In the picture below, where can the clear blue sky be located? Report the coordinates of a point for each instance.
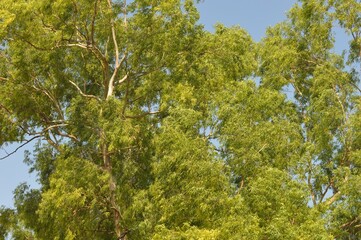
(253, 15)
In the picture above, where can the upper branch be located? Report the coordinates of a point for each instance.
(112, 23)
(118, 61)
(81, 92)
(93, 21)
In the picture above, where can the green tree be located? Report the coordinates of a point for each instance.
(298, 55)
(150, 127)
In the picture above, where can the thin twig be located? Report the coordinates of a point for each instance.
(22, 145)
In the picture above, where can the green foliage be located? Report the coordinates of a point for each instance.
(151, 127)
(75, 206)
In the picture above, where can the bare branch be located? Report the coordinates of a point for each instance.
(76, 45)
(118, 62)
(296, 88)
(349, 224)
(68, 136)
(81, 92)
(51, 142)
(33, 45)
(324, 193)
(126, 97)
(142, 115)
(261, 149)
(5, 108)
(123, 234)
(93, 21)
(123, 79)
(333, 198)
(340, 102)
(55, 126)
(310, 186)
(125, 14)
(22, 145)
(111, 81)
(91, 48)
(106, 47)
(355, 85)
(114, 37)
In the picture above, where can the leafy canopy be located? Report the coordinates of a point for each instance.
(150, 127)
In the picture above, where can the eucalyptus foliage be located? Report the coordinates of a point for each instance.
(150, 127)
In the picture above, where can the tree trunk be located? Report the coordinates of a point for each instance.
(112, 192)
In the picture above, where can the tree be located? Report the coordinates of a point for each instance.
(327, 99)
(150, 127)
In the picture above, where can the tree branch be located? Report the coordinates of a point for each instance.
(99, 55)
(349, 224)
(123, 79)
(34, 46)
(22, 145)
(333, 198)
(142, 115)
(355, 85)
(83, 94)
(51, 97)
(111, 81)
(118, 62)
(324, 193)
(311, 187)
(93, 21)
(114, 37)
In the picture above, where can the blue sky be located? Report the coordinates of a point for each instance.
(253, 15)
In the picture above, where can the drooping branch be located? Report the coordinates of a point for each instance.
(81, 92)
(355, 86)
(33, 45)
(22, 145)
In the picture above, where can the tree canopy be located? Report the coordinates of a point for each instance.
(150, 127)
